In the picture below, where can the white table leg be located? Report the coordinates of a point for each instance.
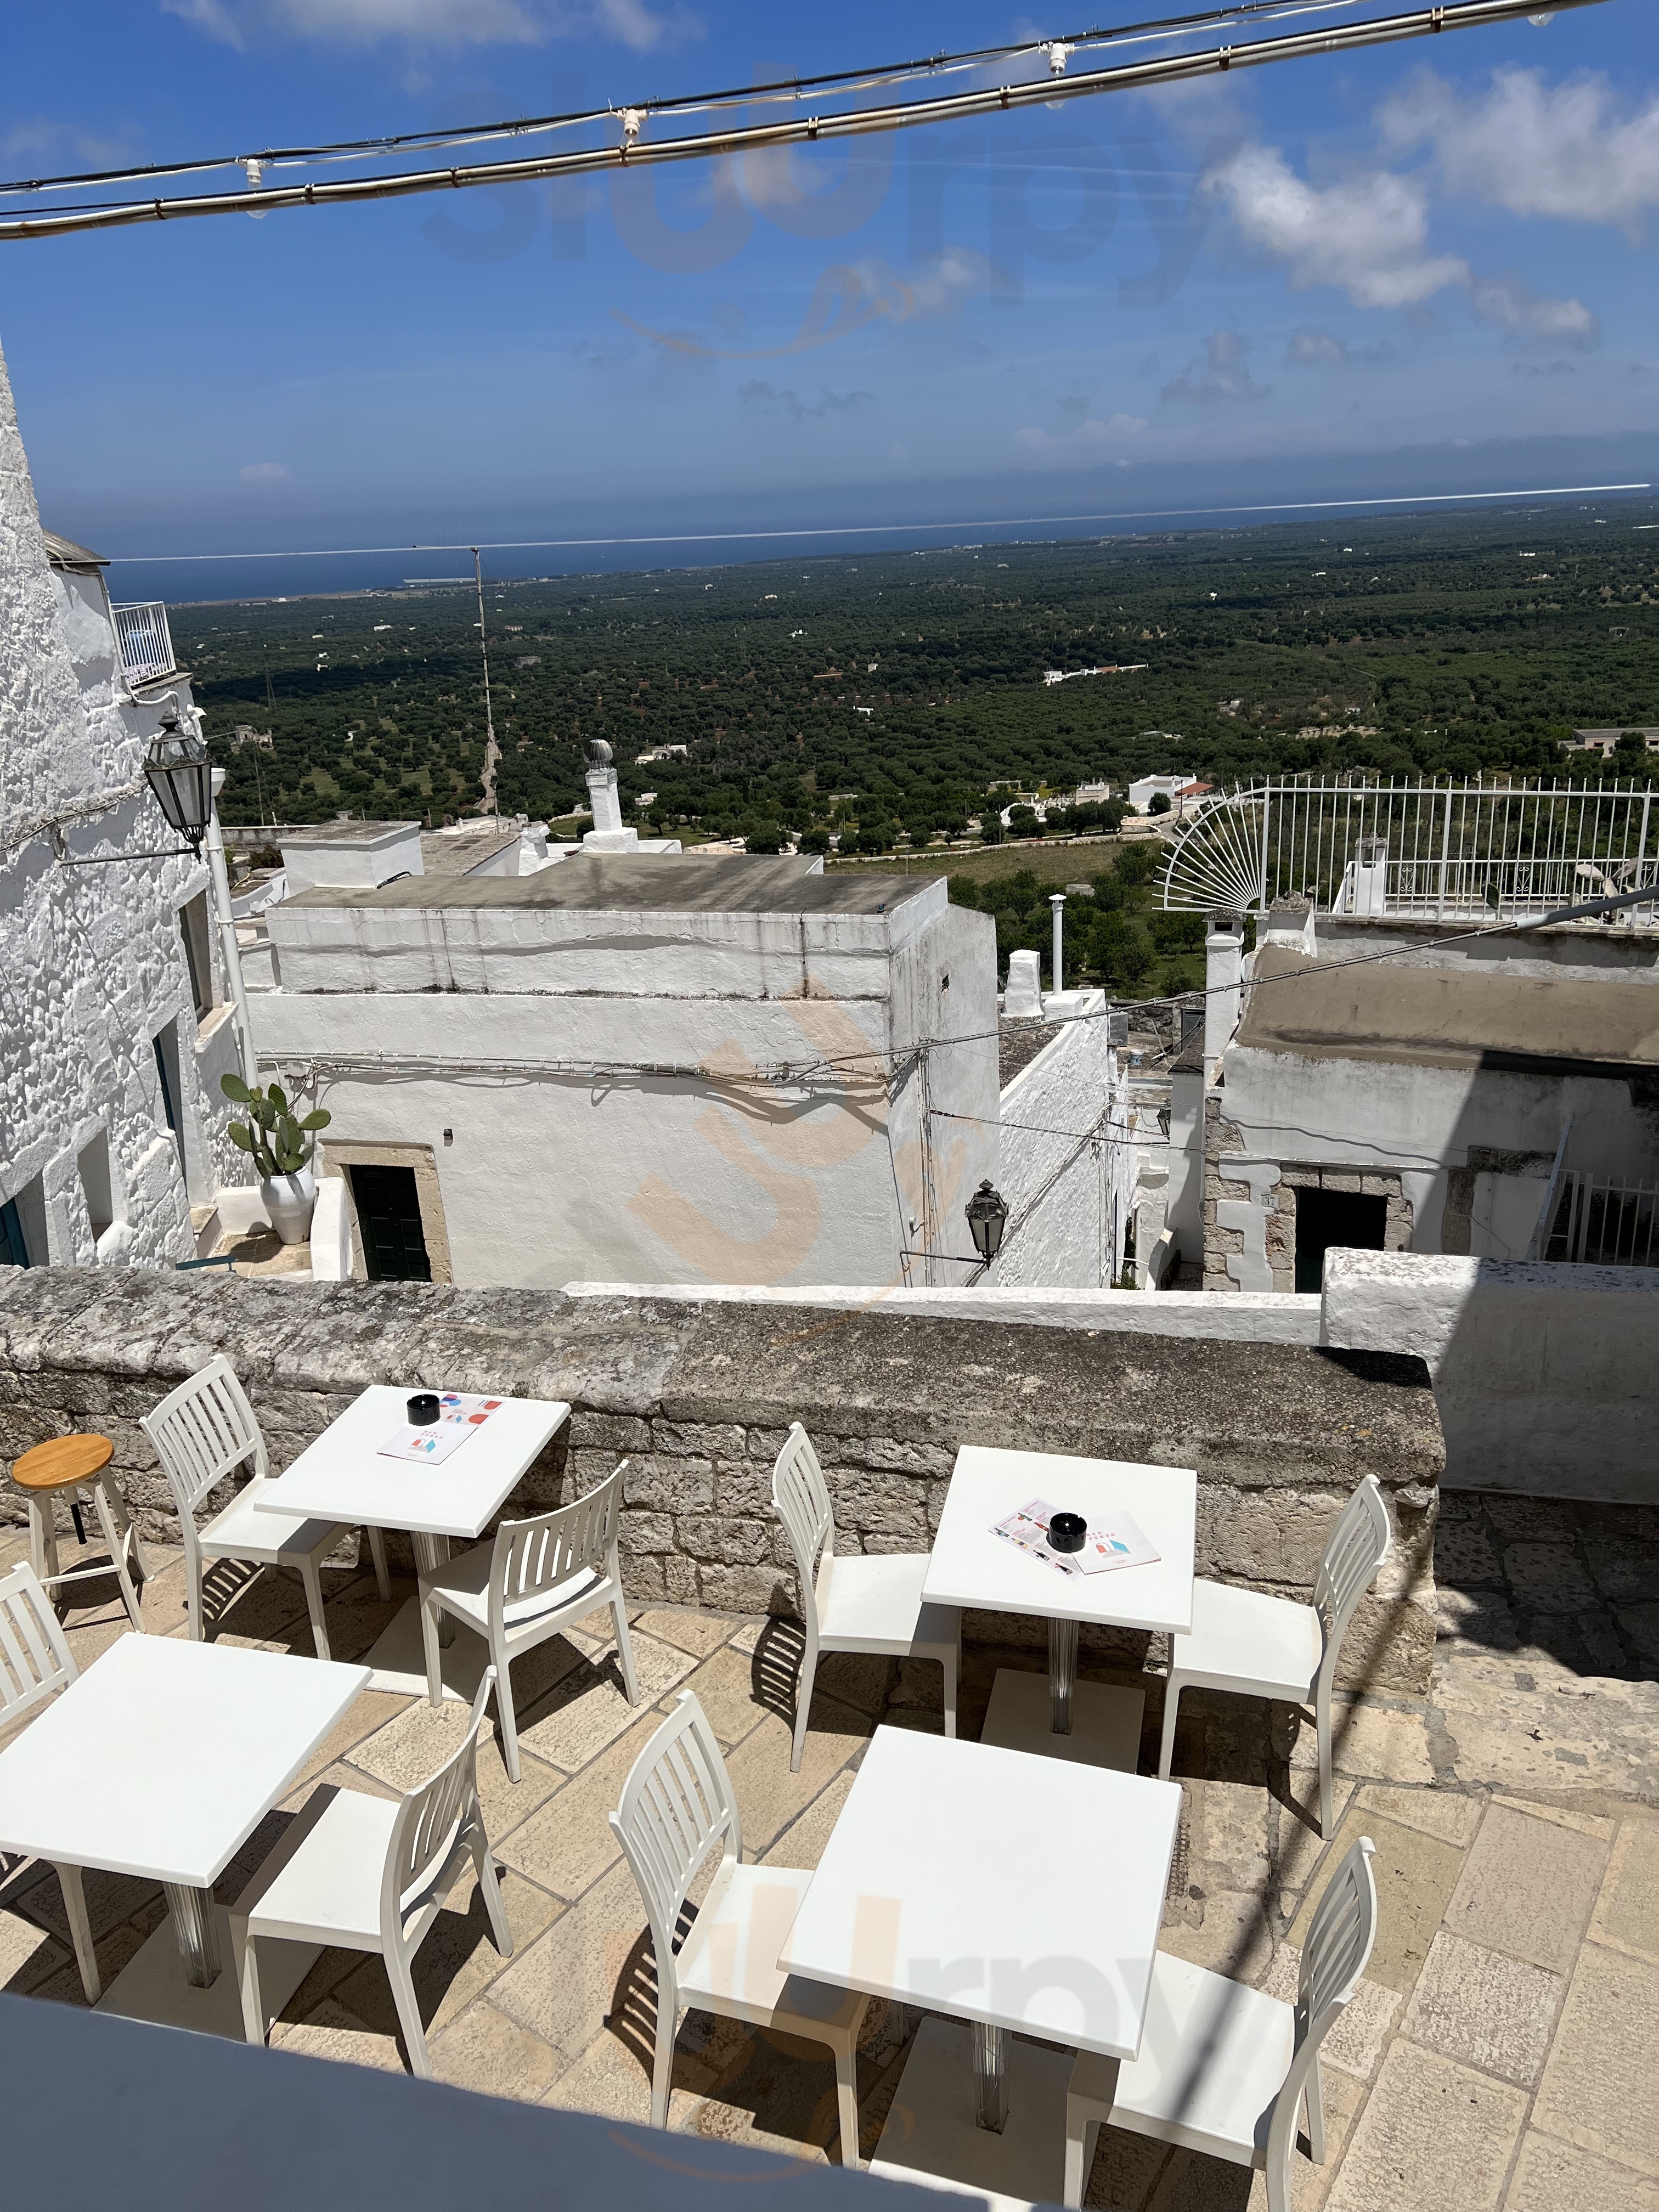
(1062, 1673)
(197, 1933)
(990, 2077)
(430, 1554)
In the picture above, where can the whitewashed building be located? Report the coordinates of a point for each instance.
(644, 1067)
(1069, 1153)
(1496, 1099)
(117, 1028)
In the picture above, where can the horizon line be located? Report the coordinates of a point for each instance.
(876, 529)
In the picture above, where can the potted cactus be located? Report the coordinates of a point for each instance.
(280, 1143)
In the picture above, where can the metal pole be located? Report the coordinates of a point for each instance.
(230, 951)
(1057, 907)
(491, 752)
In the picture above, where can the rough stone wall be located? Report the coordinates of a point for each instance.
(698, 1399)
(1250, 1207)
(95, 966)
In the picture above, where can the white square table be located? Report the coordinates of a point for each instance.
(342, 1477)
(971, 1566)
(1013, 1893)
(160, 1762)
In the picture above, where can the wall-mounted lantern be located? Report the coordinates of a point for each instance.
(988, 1217)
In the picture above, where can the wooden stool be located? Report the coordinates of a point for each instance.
(74, 1464)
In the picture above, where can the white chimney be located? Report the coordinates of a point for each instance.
(602, 787)
(1024, 994)
(1223, 966)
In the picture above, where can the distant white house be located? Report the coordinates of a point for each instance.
(1605, 742)
(1108, 668)
(117, 1029)
(1175, 788)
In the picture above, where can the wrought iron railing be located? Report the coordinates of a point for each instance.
(1604, 1224)
(146, 643)
(1433, 851)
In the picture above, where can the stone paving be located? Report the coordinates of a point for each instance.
(1503, 2051)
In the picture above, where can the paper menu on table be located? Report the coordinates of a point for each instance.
(1118, 1542)
(459, 1416)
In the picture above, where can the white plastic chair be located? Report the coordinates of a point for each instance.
(36, 1663)
(676, 1807)
(535, 1578)
(861, 1601)
(1223, 2069)
(372, 1874)
(201, 1432)
(1270, 1647)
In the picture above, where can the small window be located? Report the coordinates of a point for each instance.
(97, 1184)
(198, 954)
(1327, 1218)
(13, 1244)
(165, 1041)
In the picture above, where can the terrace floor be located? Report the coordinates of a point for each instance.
(1503, 2051)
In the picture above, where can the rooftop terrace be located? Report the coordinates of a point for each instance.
(1500, 2053)
(660, 883)
(1503, 2051)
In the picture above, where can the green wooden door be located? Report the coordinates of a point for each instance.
(389, 1218)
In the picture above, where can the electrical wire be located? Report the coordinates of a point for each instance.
(1592, 909)
(902, 1062)
(635, 151)
(782, 88)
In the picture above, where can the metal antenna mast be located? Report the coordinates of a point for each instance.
(491, 751)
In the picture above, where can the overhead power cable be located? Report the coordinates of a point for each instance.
(842, 82)
(638, 150)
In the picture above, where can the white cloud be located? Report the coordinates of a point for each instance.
(1087, 439)
(759, 397)
(1315, 348)
(1219, 373)
(1506, 300)
(1366, 234)
(1567, 150)
(633, 23)
(438, 22)
(261, 472)
(942, 285)
(39, 145)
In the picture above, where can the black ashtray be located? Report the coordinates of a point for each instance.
(422, 1410)
(1068, 1532)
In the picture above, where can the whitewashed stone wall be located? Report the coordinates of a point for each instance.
(1067, 1162)
(95, 963)
(1544, 1374)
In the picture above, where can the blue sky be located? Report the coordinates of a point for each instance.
(1420, 268)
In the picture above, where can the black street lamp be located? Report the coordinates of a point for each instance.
(988, 1217)
(180, 773)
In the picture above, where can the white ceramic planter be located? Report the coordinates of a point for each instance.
(288, 1201)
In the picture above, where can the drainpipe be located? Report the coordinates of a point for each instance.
(230, 950)
(1057, 905)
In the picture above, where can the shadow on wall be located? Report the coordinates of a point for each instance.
(1545, 1376)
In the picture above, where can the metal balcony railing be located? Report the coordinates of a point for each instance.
(1604, 1224)
(146, 643)
(1431, 851)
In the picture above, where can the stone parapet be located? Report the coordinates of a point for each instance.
(698, 1399)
